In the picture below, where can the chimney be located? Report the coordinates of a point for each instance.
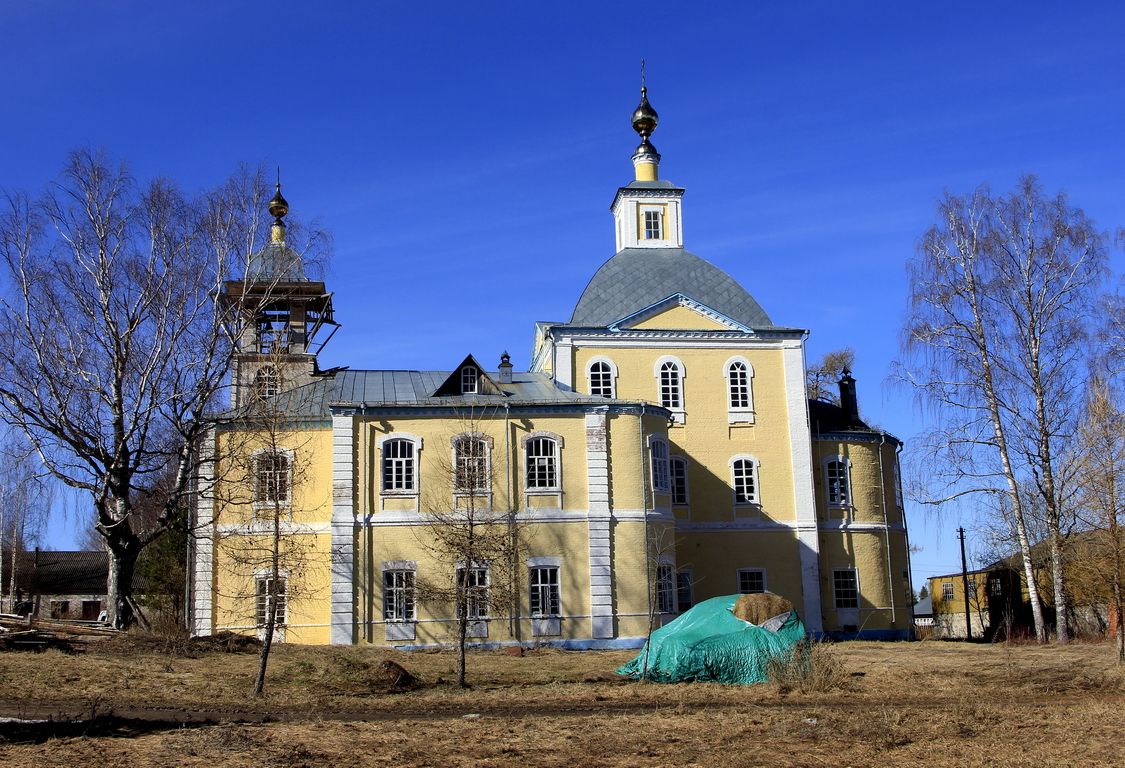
(505, 368)
(848, 400)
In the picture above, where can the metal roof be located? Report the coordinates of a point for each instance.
(636, 278)
(392, 389)
(276, 262)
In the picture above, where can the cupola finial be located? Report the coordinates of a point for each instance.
(278, 206)
(645, 159)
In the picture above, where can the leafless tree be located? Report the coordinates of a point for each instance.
(113, 340)
(1103, 495)
(478, 541)
(262, 492)
(821, 376)
(25, 502)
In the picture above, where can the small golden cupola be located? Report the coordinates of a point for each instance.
(646, 160)
(278, 206)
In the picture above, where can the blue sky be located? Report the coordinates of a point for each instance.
(464, 155)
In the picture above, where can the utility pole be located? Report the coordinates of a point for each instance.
(965, 585)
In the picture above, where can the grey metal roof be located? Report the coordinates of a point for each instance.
(636, 278)
(414, 388)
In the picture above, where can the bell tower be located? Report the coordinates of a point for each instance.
(281, 313)
(647, 212)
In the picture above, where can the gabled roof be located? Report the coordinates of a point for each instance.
(47, 572)
(636, 278)
(452, 385)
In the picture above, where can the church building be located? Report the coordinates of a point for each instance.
(659, 450)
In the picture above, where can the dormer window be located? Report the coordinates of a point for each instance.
(654, 225)
(468, 380)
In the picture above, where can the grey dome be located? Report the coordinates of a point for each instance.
(636, 278)
(276, 262)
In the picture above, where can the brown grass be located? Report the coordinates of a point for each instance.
(938, 704)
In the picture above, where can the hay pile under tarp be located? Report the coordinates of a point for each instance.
(710, 643)
(760, 607)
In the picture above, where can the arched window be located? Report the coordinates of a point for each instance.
(267, 381)
(399, 466)
(740, 390)
(678, 466)
(836, 482)
(272, 472)
(468, 380)
(744, 480)
(542, 464)
(470, 465)
(658, 449)
(602, 374)
(670, 386)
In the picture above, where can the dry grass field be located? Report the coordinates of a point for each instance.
(929, 703)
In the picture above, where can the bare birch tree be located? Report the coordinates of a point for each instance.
(1003, 291)
(25, 503)
(821, 376)
(113, 339)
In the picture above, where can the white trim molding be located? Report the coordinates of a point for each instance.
(203, 543)
(416, 481)
(343, 528)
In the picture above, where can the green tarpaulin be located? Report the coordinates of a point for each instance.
(709, 643)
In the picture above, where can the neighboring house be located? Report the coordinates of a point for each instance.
(57, 585)
(924, 613)
(998, 604)
(661, 443)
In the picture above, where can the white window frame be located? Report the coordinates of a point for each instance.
(848, 501)
(261, 602)
(677, 500)
(269, 504)
(756, 501)
(835, 589)
(678, 411)
(898, 485)
(757, 572)
(525, 445)
(545, 623)
(665, 591)
(416, 446)
(612, 376)
(659, 468)
(478, 601)
(486, 490)
(661, 220)
(267, 382)
(402, 607)
(946, 590)
(739, 413)
(470, 380)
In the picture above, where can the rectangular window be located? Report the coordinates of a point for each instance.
(398, 595)
(264, 584)
(398, 466)
(542, 464)
(684, 596)
(751, 581)
(544, 581)
(471, 465)
(946, 590)
(679, 480)
(665, 589)
(845, 588)
(996, 587)
(659, 452)
(475, 590)
(272, 478)
(653, 226)
(972, 588)
(836, 476)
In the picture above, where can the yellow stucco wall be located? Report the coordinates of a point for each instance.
(707, 438)
(680, 318)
